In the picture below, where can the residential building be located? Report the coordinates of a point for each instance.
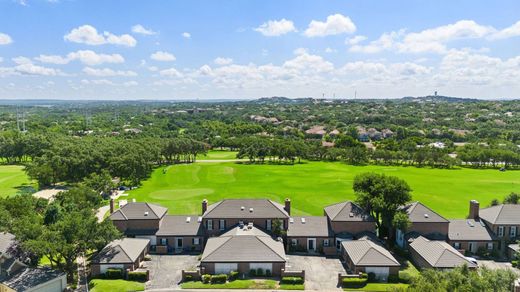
(310, 234)
(125, 254)
(181, 233)
(512, 250)
(424, 222)
(436, 254)
(471, 235)
(503, 220)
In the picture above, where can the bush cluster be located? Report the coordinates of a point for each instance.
(206, 278)
(219, 279)
(138, 276)
(233, 275)
(114, 274)
(515, 264)
(354, 282)
(292, 280)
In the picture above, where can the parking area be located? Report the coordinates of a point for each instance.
(321, 273)
(165, 270)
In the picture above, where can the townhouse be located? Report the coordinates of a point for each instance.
(503, 220)
(423, 222)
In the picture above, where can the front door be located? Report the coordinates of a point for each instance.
(178, 242)
(311, 244)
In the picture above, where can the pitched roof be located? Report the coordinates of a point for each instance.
(317, 226)
(365, 252)
(243, 245)
(417, 212)
(6, 240)
(245, 208)
(180, 225)
(514, 247)
(501, 214)
(121, 251)
(439, 254)
(30, 277)
(139, 210)
(347, 211)
(469, 229)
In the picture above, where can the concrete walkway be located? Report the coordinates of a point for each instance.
(100, 214)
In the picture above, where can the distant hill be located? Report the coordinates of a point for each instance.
(439, 98)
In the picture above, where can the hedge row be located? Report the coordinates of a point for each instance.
(354, 282)
(292, 280)
(138, 276)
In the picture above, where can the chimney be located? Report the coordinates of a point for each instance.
(288, 206)
(111, 206)
(473, 209)
(204, 206)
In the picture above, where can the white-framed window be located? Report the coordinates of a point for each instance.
(326, 242)
(500, 231)
(489, 246)
(456, 245)
(164, 241)
(209, 224)
(196, 241)
(268, 224)
(241, 222)
(222, 224)
(512, 231)
(294, 242)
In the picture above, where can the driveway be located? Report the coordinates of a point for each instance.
(321, 273)
(165, 270)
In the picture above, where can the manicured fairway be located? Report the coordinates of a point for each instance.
(13, 179)
(218, 155)
(313, 185)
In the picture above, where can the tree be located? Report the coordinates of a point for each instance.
(512, 198)
(381, 196)
(101, 183)
(401, 221)
(278, 228)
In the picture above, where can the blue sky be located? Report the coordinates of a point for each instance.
(72, 49)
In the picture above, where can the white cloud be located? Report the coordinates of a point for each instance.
(330, 50)
(87, 34)
(5, 39)
(107, 72)
(97, 82)
(24, 66)
(21, 60)
(186, 35)
(87, 57)
(162, 56)
(276, 27)
(335, 24)
(205, 70)
(130, 83)
(139, 29)
(385, 42)
(508, 32)
(355, 40)
(223, 61)
(172, 72)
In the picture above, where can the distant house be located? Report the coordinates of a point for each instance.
(181, 233)
(316, 131)
(367, 255)
(16, 276)
(243, 249)
(310, 234)
(334, 133)
(374, 134)
(362, 134)
(124, 254)
(503, 220)
(436, 254)
(424, 222)
(387, 133)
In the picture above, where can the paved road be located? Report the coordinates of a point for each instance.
(100, 214)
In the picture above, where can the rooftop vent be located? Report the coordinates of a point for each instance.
(303, 220)
(291, 220)
(199, 219)
(188, 219)
(146, 213)
(242, 208)
(250, 210)
(426, 216)
(351, 214)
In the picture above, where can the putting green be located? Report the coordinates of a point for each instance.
(313, 185)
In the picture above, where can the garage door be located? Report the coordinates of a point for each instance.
(380, 272)
(225, 268)
(263, 266)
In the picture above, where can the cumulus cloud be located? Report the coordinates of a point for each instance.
(24, 66)
(186, 35)
(162, 56)
(512, 31)
(355, 40)
(139, 29)
(107, 72)
(335, 24)
(5, 39)
(172, 72)
(87, 34)
(276, 27)
(87, 57)
(223, 61)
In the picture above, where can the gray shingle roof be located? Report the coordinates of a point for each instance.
(347, 211)
(365, 252)
(241, 208)
(417, 212)
(469, 229)
(439, 254)
(121, 251)
(179, 225)
(6, 239)
(139, 211)
(514, 247)
(238, 245)
(501, 214)
(312, 226)
(30, 277)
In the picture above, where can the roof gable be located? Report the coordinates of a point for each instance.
(347, 211)
(139, 211)
(365, 252)
(317, 226)
(180, 225)
(501, 214)
(439, 254)
(245, 208)
(418, 212)
(125, 250)
(6, 240)
(469, 229)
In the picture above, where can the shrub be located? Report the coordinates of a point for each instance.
(252, 273)
(218, 279)
(371, 277)
(188, 278)
(405, 277)
(147, 258)
(393, 279)
(292, 280)
(260, 272)
(268, 273)
(364, 275)
(138, 276)
(354, 282)
(206, 278)
(233, 275)
(114, 274)
(515, 264)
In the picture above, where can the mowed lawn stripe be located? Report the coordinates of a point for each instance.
(12, 179)
(313, 185)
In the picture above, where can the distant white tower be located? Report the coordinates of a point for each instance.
(435, 92)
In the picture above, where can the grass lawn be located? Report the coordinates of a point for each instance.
(100, 285)
(291, 287)
(237, 284)
(313, 185)
(13, 180)
(219, 155)
(378, 287)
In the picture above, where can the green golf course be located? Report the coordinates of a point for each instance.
(313, 185)
(13, 180)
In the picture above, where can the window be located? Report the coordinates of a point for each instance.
(512, 231)
(490, 246)
(456, 245)
(294, 242)
(500, 231)
(196, 241)
(222, 224)
(326, 242)
(268, 224)
(164, 241)
(209, 224)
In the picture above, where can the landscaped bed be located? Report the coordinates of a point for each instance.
(102, 285)
(230, 282)
(376, 287)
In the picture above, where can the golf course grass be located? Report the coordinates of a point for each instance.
(13, 180)
(218, 155)
(313, 185)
